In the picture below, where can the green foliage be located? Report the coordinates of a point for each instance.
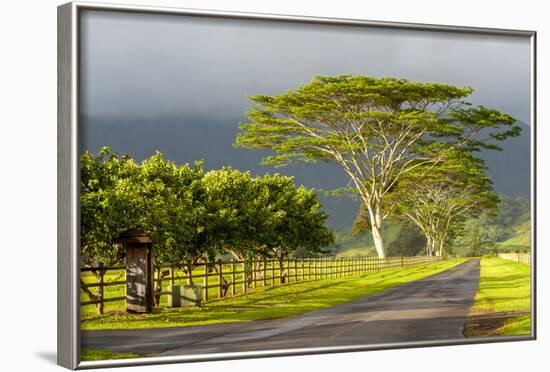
(376, 129)
(192, 215)
(409, 242)
(105, 201)
(509, 230)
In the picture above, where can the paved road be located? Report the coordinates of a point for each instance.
(430, 309)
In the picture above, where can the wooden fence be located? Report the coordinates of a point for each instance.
(228, 278)
(524, 258)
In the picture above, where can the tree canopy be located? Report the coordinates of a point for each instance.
(438, 198)
(193, 215)
(376, 129)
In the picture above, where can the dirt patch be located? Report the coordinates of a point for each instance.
(482, 324)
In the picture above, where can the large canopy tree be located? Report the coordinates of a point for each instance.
(376, 129)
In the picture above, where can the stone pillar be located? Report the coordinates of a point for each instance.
(139, 270)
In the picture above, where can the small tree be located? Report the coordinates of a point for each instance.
(438, 199)
(376, 129)
(409, 242)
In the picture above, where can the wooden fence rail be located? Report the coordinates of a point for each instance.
(229, 278)
(524, 258)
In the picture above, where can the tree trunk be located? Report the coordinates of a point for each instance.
(441, 248)
(378, 241)
(429, 246)
(100, 279)
(376, 230)
(281, 269)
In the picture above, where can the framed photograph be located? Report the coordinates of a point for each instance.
(235, 185)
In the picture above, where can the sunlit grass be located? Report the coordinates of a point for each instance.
(505, 286)
(94, 354)
(270, 302)
(520, 325)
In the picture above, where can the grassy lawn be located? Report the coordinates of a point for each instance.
(365, 251)
(503, 297)
(270, 302)
(93, 354)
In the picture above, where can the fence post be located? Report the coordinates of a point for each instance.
(100, 291)
(281, 269)
(288, 269)
(273, 271)
(265, 272)
(220, 279)
(244, 276)
(190, 276)
(314, 268)
(233, 289)
(172, 280)
(254, 270)
(205, 280)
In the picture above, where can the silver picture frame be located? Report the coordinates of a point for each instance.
(68, 216)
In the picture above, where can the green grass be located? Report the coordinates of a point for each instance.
(270, 302)
(505, 286)
(95, 354)
(366, 251)
(520, 325)
(521, 238)
(119, 290)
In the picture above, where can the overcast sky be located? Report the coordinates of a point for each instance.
(146, 66)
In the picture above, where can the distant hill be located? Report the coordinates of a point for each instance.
(521, 238)
(186, 139)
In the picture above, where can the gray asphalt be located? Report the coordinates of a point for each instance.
(433, 308)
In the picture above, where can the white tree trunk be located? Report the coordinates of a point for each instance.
(376, 230)
(378, 241)
(429, 246)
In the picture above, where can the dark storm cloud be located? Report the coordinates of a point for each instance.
(146, 66)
